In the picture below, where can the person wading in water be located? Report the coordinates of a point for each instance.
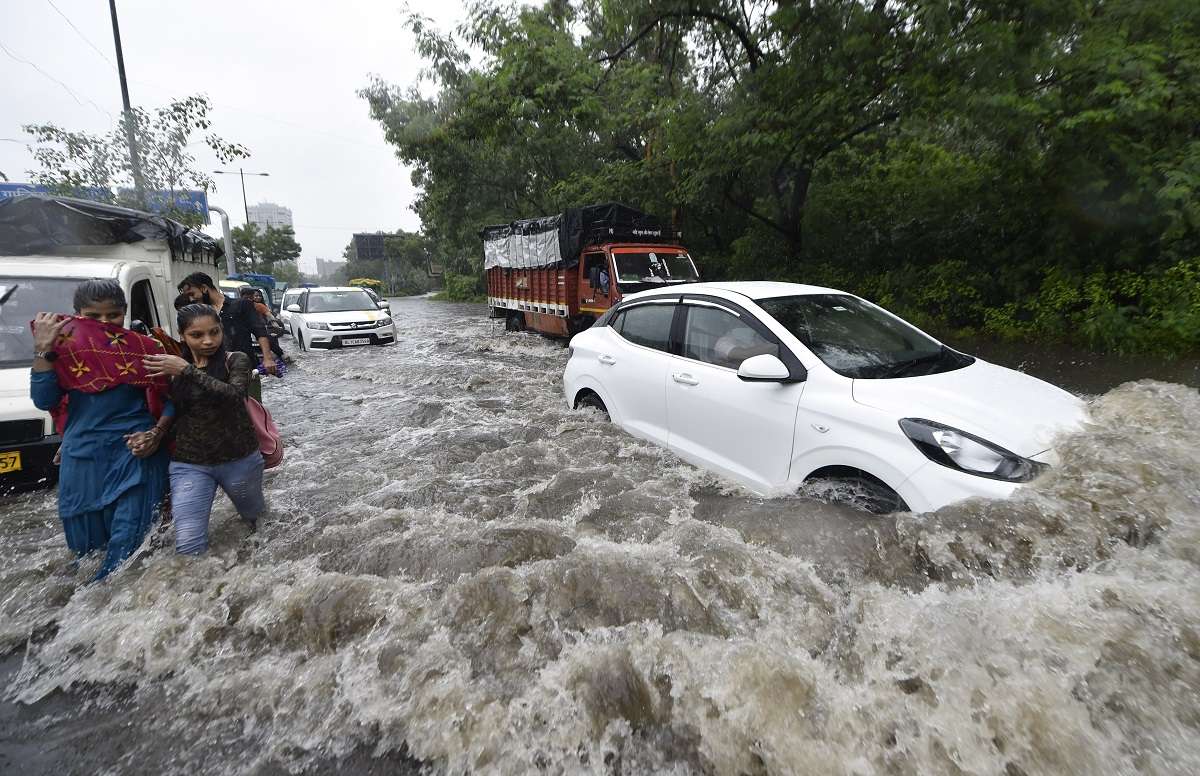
(215, 441)
(113, 469)
(241, 323)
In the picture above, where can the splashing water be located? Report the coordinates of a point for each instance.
(458, 566)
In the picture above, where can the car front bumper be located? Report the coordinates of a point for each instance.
(933, 486)
(319, 338)
(37, 465)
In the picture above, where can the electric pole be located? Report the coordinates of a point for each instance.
(135, 161)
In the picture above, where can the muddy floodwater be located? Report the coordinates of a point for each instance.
(458, 573)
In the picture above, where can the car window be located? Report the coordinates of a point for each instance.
(648, 325)
(339, 301)
(719, 337)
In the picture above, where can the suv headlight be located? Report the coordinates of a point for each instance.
(317, 325)
(384, 321)
(968, 453)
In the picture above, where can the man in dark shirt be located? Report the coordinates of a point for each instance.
(241, 322)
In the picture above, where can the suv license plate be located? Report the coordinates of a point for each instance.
(10, 462)
(357, 341)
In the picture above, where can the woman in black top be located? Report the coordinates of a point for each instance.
(215, 441)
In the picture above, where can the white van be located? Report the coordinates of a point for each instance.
(149, 270)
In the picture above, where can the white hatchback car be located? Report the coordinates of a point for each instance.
(338, 317)
(774, 384)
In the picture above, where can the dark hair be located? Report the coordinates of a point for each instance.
(91, 292)
(196, 279)
(247, 290)
(188, 315)
(182, 301)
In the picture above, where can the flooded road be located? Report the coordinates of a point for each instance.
(458, 569)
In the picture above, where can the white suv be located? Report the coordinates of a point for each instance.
(338, 317)
(773, 384)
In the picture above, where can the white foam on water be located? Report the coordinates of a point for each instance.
(457, 563)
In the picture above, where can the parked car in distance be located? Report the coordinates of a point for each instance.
(338, 317)
(774, 384)
(380, 302)
(290, 297)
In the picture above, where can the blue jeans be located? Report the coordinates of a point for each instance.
(193, 488)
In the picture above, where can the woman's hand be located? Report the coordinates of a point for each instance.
(171, 366)
(144, 444)
(46, 328)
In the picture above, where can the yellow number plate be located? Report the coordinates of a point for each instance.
(10, 462)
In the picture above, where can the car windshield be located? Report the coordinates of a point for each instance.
(654, 267)
(24, 298)
(857, 339)
(339, 301)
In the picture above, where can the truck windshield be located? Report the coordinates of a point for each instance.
(654, 267)
(339, 301)
(23, 299)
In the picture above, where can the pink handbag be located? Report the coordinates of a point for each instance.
(269, 441)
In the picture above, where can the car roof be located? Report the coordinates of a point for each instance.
(333, 288)
(754, 289)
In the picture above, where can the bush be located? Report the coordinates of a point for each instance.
(462, 288)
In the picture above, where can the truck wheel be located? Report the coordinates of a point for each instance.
(515, 322)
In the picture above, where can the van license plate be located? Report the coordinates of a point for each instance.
(10, 462)
(357, 341)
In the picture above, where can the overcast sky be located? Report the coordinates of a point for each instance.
(281, 75)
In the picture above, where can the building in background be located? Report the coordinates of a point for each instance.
(268, 214)
(330, 271)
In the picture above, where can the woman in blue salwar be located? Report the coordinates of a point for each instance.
(113, 474)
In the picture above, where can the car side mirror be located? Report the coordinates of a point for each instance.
(381, 305)
(763, 368)
(594, 277)
(293, 308)
(140, 327)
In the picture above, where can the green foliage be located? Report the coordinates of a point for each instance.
(462, 288)
(269, 251)
(1023, 168)
(73, 161)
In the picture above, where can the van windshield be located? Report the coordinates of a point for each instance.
(23, 299)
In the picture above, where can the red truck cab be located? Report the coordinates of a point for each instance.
(558, 274)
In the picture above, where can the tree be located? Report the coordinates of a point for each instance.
(98, 164)
(976, 162)
(268, 251)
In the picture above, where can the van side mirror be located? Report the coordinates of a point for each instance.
(594, 277)
(293, 308)
(140, 327)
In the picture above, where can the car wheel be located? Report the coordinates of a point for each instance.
(590, 399)
(300, 342)
(857, 489)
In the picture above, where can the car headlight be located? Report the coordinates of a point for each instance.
(968, 453)
(384, 321)
(317, 325)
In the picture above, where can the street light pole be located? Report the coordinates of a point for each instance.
(246, 206)
(135, 161)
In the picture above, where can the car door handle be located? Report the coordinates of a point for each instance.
(606, 359)
(686, 379)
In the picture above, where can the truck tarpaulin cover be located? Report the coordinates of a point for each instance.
(559, 239)
(41, 223)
